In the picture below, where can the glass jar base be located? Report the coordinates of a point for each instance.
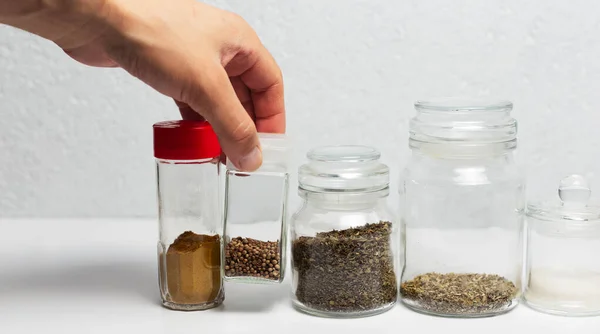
(252, 280)
(193, 307)
(561, 309)
(418, 307)
(341, 314)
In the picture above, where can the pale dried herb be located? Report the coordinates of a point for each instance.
(459, 293)
(350, 270)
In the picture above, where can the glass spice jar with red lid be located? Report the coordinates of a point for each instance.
(189, 215)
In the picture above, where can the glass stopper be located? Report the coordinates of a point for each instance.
(574, 191)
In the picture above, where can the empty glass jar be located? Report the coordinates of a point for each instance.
(190, 221)
(462, 206)
(255, 216)
(343, 237)
(563, 268)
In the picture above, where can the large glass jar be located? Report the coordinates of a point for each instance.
(563, 267)
(189, 215)
(343, 237)
(462, 206)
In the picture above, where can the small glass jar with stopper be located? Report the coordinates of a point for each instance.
(562, 266)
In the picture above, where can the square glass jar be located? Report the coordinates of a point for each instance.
(255, 216)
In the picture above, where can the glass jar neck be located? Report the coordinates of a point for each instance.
(344, 201)
(464, 150)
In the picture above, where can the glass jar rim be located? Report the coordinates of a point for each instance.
(456, 104)
(355, 193)
(343, 168)
(551, 211)
(463, 122)
(343, 153)
(276, 151)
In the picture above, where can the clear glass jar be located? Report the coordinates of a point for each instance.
(563, 268)
(344, 241)
(190, 220)
(255, 216)
(462, 205)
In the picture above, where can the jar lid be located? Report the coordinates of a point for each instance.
(575, 204)
(459, 120)
(275, 152)
(185, 140)
(343, 168)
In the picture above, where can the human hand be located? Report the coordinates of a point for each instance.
(208, 60)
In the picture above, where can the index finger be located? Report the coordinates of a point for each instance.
(187, 112)
(265, 81)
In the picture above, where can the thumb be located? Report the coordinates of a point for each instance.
(218, 103)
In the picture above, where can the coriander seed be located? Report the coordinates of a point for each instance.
(251, 258)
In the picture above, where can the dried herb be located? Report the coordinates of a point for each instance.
(350, 270)
(253, 258)
(459, 293)
(193, 270)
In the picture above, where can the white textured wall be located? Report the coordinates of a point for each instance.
(76, 141)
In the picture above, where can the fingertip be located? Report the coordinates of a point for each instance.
(251, 161)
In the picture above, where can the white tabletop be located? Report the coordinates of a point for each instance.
(99, 276)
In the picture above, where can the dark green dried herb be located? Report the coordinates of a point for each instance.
(459, 293)
(350, 270)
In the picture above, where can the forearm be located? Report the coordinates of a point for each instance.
(51, 19)
(11, 10)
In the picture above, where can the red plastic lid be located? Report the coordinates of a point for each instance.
(185, 140)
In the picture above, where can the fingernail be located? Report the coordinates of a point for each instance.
(251, 161)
